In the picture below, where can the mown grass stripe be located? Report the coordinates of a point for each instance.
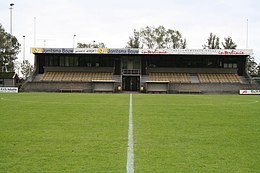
(130, 149)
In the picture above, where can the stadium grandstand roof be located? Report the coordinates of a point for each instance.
(130, 51)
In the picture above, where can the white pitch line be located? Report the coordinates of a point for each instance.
(130, 148)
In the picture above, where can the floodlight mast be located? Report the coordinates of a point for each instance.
(11, 18)
(24, 49)
(11, 28)
(74, 41)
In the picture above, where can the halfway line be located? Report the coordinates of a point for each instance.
(130, 148)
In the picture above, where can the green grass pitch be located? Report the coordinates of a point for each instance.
(64, 132)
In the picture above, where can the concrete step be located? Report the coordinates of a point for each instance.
(194, 78)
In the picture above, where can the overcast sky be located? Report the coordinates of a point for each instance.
(112, 22)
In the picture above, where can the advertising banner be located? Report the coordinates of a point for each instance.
(155, 51)
(36, 50)
(86, 50)
(52, 50)
(8, 89)
(127, 51)
(249, 92)
(123, 51)
(102, 50)
(196, 51)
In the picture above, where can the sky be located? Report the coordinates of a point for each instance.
(113, 22)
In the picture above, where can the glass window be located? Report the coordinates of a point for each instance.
(50, 61)
(55, 61)
(225, 65)
(62, 61)
(47, 61)
(67, 61)
(71, 61)
(76, 61)
(82, 62)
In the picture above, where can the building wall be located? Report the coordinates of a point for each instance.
(210, 88)
(7, 83)
(57, 86)
(69, 86)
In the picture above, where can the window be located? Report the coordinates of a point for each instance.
(76, 61)
(225, 65)
(71, 61)
(67, 64)
(55, 61)
(62, 61)
(50, 61)
(230, 65)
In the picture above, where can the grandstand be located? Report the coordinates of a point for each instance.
(76, 76)
(141, 70)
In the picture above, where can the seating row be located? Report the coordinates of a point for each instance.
(171, 77)
(201, 77)
(219, 78)
(76, 76)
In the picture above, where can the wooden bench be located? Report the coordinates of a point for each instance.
(157, 86)
(103, 90)
(71, 90)
(189, 92)
(103, 86)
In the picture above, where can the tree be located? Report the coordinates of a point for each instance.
(175, 41)
(134, 42)
(212, 43)
(258, 70)
(9, 48)
(27, 69)
(252, 66)
(157, 38)
(89, 45)
(229, 44)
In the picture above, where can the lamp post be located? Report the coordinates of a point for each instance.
(11, 29)
(11, 18)
(74, 41)
(24, 49)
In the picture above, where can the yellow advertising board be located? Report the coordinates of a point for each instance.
(36, 50)
(102, 50)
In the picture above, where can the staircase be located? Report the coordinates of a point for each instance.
(194, 78)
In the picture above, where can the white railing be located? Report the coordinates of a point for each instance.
(131, 71)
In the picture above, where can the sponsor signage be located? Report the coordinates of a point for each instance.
(36, 50)
(155, 51)
(249, 92)
(8, 89)
(127, 51)
(123, 51)
(52, 50)
(84, 50)
(196, 51)
(102, 50)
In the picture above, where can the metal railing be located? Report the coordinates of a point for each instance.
(131, 71)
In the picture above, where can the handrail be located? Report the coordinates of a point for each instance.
(131, 71)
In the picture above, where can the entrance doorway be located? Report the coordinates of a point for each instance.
(131, 83)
